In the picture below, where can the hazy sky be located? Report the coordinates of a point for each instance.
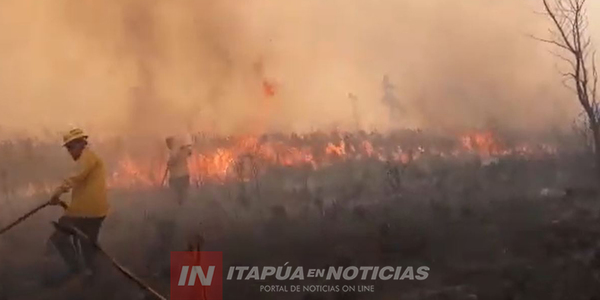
(151, 66)
(594, 11)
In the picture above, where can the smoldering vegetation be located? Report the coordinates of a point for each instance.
(516, 226)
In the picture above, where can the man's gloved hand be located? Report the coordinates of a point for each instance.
(60, 190)
(55, 200)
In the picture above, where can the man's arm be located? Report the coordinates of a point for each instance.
(83, 169)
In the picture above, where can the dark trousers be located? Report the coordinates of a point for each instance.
(70, 247)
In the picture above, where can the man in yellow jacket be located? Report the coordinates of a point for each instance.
(88, 206)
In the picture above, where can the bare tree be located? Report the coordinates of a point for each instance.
(569, 34)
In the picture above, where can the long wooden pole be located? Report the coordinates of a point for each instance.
(29, 214)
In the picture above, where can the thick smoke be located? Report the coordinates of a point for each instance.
(153, 67)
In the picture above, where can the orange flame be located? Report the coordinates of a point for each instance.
(483, 143)
(249, 156)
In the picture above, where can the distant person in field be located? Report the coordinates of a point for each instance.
(88, 207)
(177, 166)
(177, 173)
(391, 100)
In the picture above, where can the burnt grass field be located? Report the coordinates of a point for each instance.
(517, 228)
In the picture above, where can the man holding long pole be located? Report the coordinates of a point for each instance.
(88, 207)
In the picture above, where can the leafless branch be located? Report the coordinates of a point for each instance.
(558, 25)
(565, 82)
(551, 42)
(565, 59)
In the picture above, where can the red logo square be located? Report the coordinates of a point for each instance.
(197, 275)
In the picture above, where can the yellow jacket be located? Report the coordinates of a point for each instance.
(88, 187)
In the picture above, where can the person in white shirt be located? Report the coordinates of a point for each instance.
(177, 167)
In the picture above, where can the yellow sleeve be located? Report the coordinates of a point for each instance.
(83, 168)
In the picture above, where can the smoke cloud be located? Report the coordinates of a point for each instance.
(156, 67)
